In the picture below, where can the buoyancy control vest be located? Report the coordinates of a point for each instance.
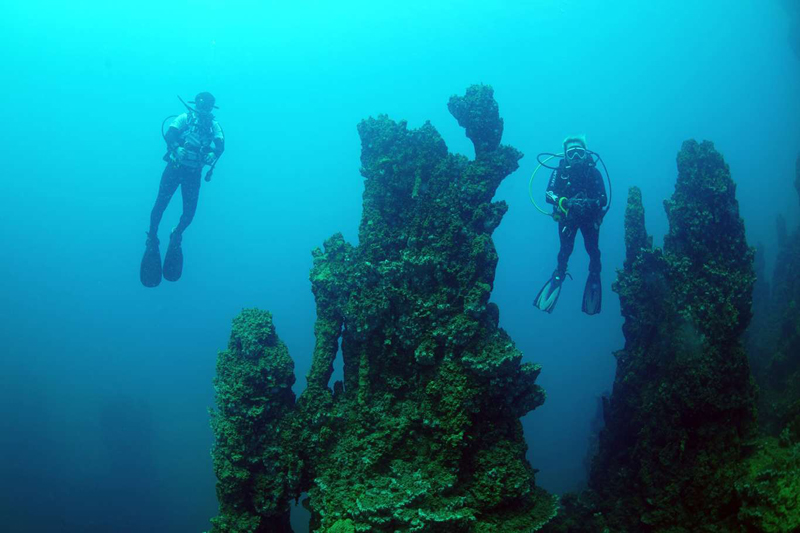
(195, 137)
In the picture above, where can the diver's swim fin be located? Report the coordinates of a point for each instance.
(592, 295)
(548, 297)
(173, 260)
(150, 270)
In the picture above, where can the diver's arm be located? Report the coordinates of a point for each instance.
(219, 147)
(173, 138)
(219, 144)
(213, 155)
(173, 135)
(552, 194)
(219, 139)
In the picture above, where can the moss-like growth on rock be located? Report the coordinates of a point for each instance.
(711, 263)
(254, 400)
(769, 495)
(680, 451)
(423, 434)
(682, 410)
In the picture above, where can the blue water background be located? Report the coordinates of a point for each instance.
(105, 385)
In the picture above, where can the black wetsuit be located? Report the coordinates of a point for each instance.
(174, 176)
(184, 176)
(584, 184)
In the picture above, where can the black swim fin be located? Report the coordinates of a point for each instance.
(173, 260)
(592, 295)
(547, 298)
(150, 270)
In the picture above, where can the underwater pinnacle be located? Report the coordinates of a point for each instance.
(424, 432)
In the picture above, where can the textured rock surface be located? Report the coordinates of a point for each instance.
(424, 432)
(770, 493)
(254, 396)
(680, 452)
(682, 410)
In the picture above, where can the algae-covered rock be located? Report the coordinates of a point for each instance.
(682, 410)
(770, 493)
(477, 112)
(254, 400)
(424, 432)
(711, 263)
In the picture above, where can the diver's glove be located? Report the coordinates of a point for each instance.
(180, 153)
(210, 159)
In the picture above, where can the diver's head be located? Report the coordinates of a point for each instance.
(575, 152)
(204, 103)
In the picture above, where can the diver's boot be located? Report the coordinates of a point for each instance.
(548, 297)
(150, 269)
(592, 294)
(173, 260)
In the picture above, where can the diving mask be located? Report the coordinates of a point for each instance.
(576, 153)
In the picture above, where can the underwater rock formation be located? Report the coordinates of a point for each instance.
(778, 346)
(770, 494)
(682, 410)
(680, 451)
(254, 399)
(424, 432)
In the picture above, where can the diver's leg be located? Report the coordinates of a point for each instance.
(548, 297)
(169, 184)
(591, 239)
(190, 191)
(566, 235)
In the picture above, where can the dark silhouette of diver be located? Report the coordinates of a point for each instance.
(189, 141)
(578, 195)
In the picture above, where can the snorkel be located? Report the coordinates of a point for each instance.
(190, 108)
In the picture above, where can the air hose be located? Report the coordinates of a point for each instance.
(544, 164)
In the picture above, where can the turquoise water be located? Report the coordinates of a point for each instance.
(106, 385)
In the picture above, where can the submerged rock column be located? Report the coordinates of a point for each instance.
(682, 408)
(424, 432)
(252, 458)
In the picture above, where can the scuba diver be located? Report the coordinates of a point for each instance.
(189, 139)
(578, 195)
